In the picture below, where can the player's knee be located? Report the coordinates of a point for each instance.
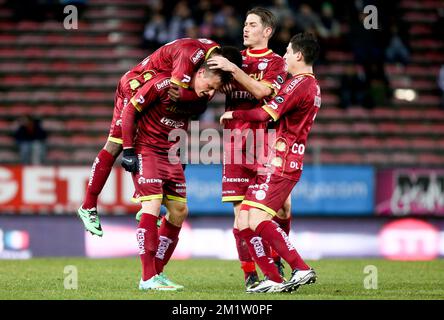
(242, 220)
(113, 148)
(151, 206)
(178, 212)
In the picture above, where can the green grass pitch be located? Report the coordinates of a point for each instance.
(215, 279)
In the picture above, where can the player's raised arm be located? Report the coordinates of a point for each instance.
(258, 89)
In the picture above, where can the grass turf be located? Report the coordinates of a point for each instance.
(215, 279)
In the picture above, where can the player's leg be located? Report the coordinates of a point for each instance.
(278, 191)
(149, 192)
(283, 219)
(245, 258)
(148, 240)
(102, 167)
(177, 211)
(272, 281)
(234, 186)
(175, 200)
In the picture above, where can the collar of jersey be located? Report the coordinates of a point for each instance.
(308, 74)
(259, 52)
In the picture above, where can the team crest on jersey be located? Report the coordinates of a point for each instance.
(197, 56)
(163, 84)
(262, 66)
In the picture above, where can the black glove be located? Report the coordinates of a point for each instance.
(129, 160)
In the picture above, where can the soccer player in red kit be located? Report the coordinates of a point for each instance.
(293, 111)
(262, 73)
(157, 172)
(181, 58)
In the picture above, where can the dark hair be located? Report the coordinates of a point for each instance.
(233, 54)
(267, 17)
(229, 52)
(225, 76)
(307, 44)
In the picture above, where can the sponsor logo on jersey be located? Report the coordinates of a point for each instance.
(143, 180)
(163, 84)
(206, 41)
(172, 123)
(289, 89)
(242, 95)
(225, 179)
(197, 56)
(257, 76)
(317, 101)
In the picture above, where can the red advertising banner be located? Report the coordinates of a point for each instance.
(58, 190)
(402, 192)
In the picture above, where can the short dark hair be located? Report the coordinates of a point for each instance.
(225, 76)
(229, 52)
(267, 17)
(233, 54)
(307, 44)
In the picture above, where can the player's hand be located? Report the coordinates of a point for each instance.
(226, 116)
(173, 92)
(129, 160)
(226, 88)
(219, 62)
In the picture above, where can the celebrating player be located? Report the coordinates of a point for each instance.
(260, 77)
(180, 58)
(293, 111)
(157, 174)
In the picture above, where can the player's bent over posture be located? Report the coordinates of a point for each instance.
(158, 175)
(180, 58)
(293, 111)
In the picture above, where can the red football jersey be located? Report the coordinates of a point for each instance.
(159, 115)
(294, 109)
(266, 67)
(180, 57)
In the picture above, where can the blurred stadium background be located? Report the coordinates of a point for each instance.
(373, 185)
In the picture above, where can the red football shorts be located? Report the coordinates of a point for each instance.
(235, 181)
(158, 177)
(268, 192)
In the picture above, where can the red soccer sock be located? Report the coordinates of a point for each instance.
(100, 171)
(256, 248)
(274, 255)
(148, 239)
(285, 224)
(247, 262)
(168, 239)
(280, 242)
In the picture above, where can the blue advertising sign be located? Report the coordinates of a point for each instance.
(322, 190)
